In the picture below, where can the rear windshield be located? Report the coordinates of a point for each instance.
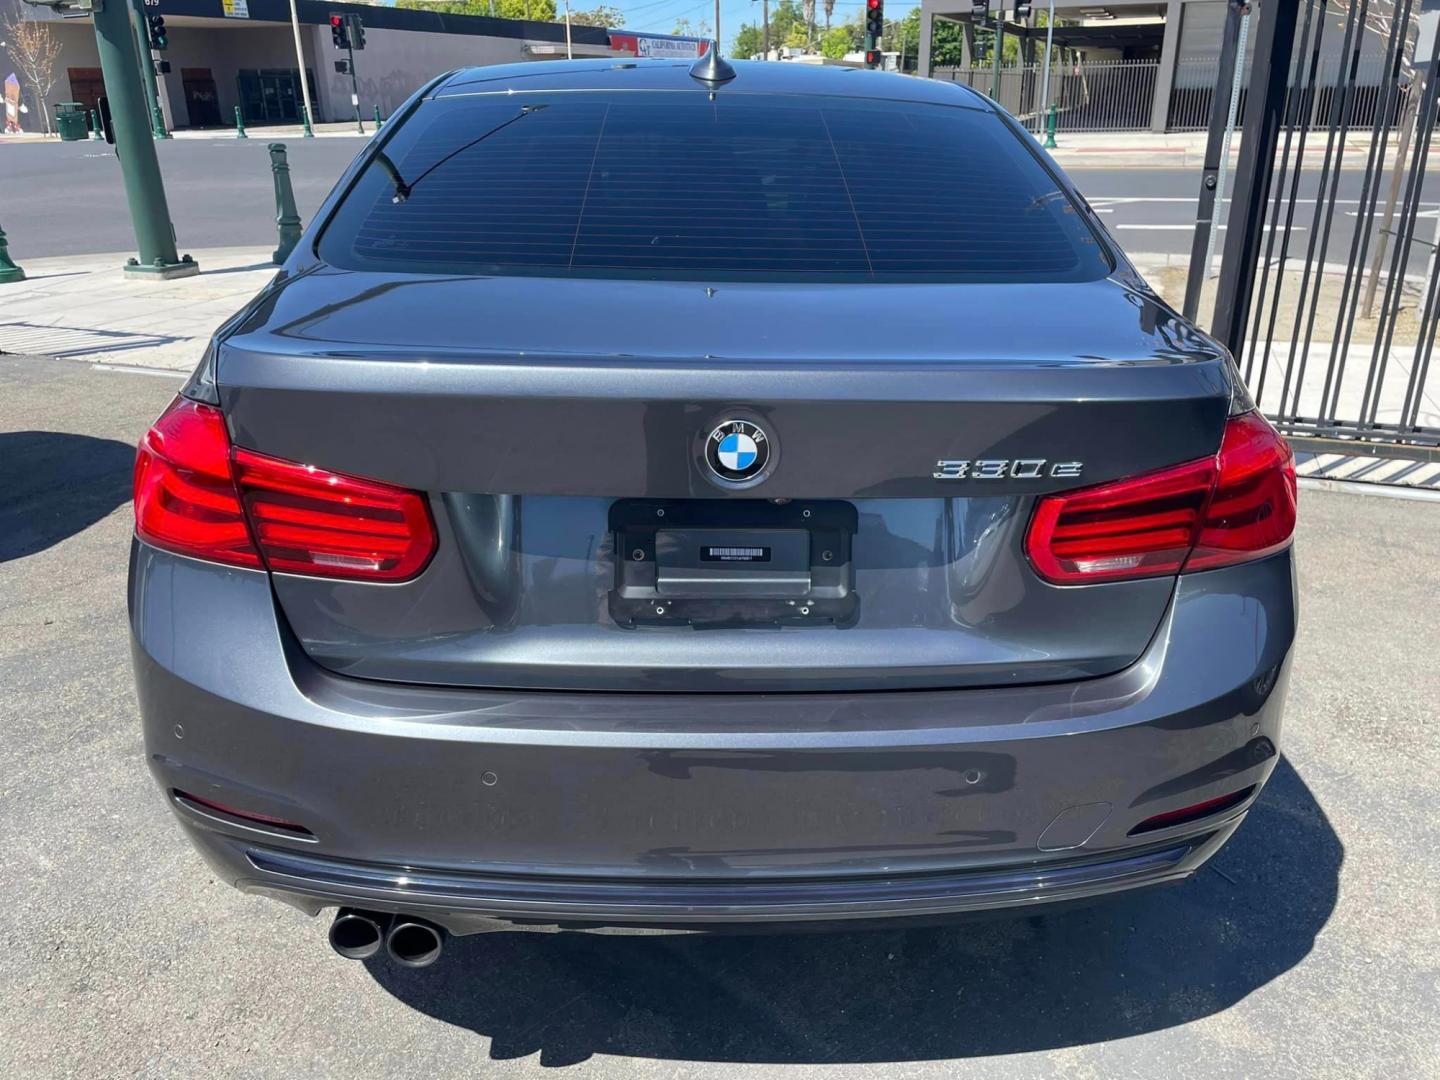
(675, 185)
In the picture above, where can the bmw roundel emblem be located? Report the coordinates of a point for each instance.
(737, 450)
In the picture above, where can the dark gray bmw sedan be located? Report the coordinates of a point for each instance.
(656, 496)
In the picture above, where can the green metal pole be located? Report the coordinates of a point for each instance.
(147, 68)
(1050, 128)
(95, 132)
(240, 124)
(8, 270)
(287, 215)
(139, 167)
(305, 121)
(999, 43)
(379, 121)
(355, 92)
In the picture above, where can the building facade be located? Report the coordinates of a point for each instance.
(225, 54)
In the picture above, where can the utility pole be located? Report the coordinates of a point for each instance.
(354, 87)
(1049, 44)
(765, 23)
(308, 117)
(999, 43)
(569, 50)
(135, 148)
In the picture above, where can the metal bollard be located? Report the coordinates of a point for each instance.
(1050, 128)
(379, 120)
(287, 216)
(239, 124)
(8, 270)
(96, 135)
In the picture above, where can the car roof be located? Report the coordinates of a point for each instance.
(751, 77)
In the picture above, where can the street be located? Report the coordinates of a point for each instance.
(220, 195)
(1308, 948)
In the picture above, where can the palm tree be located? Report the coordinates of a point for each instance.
(829, 10)
(807, 13)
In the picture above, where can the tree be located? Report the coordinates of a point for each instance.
(807, 15)
(536, 10)
(835, 43)
(34, 48)
(748, 42)
(829, 11)
(784, 16)
(603, 15)
(684, 28)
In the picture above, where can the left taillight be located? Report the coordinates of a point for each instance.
(185, 497)
(198, 496)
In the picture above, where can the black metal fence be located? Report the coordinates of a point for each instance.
(1328, 293)
(1108, 95)
(1193, 90)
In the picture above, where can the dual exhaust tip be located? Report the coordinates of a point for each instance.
(359, 935)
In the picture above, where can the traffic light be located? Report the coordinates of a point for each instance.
(874, 29)
(338, 36)
(874, 19)
(159, 39)
(356, 30)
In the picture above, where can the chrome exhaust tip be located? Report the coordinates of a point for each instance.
(413, 943)
(357, 935)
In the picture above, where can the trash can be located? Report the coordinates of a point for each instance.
(70, 121)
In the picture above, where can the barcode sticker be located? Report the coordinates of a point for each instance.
(735, 554)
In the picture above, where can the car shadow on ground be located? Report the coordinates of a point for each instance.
(54, 484)
(1124, 967)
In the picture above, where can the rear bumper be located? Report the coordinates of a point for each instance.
(479, 808)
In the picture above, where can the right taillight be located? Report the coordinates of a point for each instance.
(1234, 507)
(196, 495)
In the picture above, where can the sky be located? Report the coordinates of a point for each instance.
(660, 16)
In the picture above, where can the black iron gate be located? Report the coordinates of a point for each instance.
(1328, 293)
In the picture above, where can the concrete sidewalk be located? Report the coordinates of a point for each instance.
(82, 307)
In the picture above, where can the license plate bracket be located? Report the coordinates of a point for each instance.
(733, 562)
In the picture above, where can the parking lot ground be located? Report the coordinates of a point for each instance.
(1309, 948)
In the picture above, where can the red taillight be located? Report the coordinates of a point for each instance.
(1236, 506)
(196, 496)
(1252, 511)
(185, 497)
(309, 521)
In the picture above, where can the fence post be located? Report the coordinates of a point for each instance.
(9, 272)
(239, 124)
(1269, 75)
(287, 216)
(1050, 128)
(1216, 145)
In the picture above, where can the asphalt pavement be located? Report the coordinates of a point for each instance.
(1309, 948)
(67, 198)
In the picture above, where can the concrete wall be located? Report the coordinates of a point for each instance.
(396, 63)
(225, 52)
